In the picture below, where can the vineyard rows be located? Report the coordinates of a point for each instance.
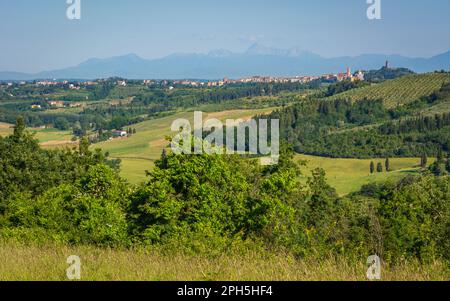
(399, 91)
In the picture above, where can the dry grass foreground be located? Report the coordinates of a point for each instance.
(26, 263)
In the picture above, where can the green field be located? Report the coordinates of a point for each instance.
(139, 151)
(51, 135)
(47, 137)
(348, 175)
(5, 129)
(398, 91)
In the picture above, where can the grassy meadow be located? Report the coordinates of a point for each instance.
(5, 129)
(43, 135)
(26, 263)
(48, 138)
(139, 151)
(348, 175)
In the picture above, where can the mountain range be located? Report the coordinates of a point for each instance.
(257, 60)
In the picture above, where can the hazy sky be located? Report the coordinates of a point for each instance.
(36, 35)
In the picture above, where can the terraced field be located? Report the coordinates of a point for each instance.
(398, 91)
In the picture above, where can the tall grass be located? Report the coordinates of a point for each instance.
(48, 262)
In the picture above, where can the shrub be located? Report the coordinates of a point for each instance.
(89, 211)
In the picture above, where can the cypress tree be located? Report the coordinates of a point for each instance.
(423, 161)
(379, 167)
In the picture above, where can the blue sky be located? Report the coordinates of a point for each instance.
(36, 35)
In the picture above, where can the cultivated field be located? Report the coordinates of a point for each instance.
(48, 138)
(5, 129)
(398, 91)
(139, 151)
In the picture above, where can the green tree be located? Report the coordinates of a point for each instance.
(379, 167)
(19, 128)
(447, 164)
(372, 167)
(387, 164)
(61, 123)
(440, 156)
(89, 211)
(424, 161)
(414, 217)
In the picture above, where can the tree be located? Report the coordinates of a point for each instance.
(447, 164)
(78, 130)
(89, 211)
(62, 124)
(387, 164)
(19, 129)
(423, 161)
(414, 218)
(379, 167)
(372, 167)
(321, 199)
(440, 156)
(163, 159)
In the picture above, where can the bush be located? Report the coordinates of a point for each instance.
(90, 211)
(415, 218)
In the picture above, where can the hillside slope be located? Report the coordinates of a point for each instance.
(399, 91)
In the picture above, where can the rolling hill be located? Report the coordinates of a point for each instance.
(139, 151)
(398, 91)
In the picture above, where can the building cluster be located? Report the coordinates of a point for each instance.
(348, 75)
(47, 83)
(57, 104)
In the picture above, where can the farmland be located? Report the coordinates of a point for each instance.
(139, 151)
(399, 91)
(224, 218)
(48, 138)
(349, 175)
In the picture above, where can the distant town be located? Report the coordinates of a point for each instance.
(76, 85)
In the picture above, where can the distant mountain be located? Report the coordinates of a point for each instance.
(257, 60)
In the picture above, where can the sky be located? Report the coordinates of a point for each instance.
(37, 35)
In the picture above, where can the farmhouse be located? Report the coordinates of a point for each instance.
(56, 103)
(119, 134)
